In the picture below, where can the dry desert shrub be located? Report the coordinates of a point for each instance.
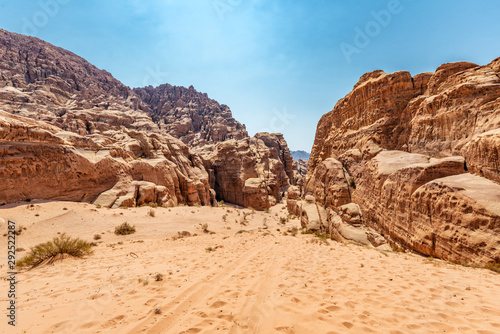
(124, 229)
(50, 250)
(204, 228)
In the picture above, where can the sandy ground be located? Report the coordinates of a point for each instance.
(258, 281)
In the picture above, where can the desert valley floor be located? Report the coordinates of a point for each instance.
(239, 279)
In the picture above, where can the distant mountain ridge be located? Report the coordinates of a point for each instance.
(297, 155)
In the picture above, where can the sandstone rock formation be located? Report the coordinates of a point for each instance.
(403, 148)
(70, 131)
(252, 172)
(302, 166)
(41, 161)
(190, 116)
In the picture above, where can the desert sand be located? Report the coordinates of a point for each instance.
(255, 281)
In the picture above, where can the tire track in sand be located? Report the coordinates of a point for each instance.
(178, 308)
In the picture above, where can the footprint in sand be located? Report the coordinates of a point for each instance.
(218, 304)
(96, 296)
(149, 302)
(201, 314)
(226, 317)
(333, 308)
(348, 324)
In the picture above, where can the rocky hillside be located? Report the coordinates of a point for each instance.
(190, 115)
(70, 131)
(415, 160)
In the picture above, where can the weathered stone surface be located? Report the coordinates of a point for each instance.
(190, 116)
(435, 114)
(329, 184)
(443, 125)
(457, 218)
(100, 137)
(351, 213)
(301, 165)
(72, 131)
(482, 154)
(349, 125)
(313, 217)
(253, 172)
(38, 162)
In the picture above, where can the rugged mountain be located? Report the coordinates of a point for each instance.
(251, 172)
(190, 115)
(403, 149)
(298, 155)
(70, 131)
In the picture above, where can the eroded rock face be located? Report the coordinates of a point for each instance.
(190, 116)
(253, 172)
(436, 114)
(457, 218)
(40, 161)
(329, 184)
(70, 131)
(408, 146)
(349, 126)
(302, 166)
(108, 143)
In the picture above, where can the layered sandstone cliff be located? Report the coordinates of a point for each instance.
(403, 148)
(71, 131)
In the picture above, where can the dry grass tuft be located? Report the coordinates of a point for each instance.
(124, 229)
(51, 250)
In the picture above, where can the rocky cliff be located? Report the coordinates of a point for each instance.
(190, 115)
(70, 131)
(252, 172)
(403, 148)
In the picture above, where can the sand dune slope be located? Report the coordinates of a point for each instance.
(257, 281)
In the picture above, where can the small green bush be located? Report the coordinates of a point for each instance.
(48, 251)
(97, 237)
(124, 229)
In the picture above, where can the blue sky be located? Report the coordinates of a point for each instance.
(279, 64)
